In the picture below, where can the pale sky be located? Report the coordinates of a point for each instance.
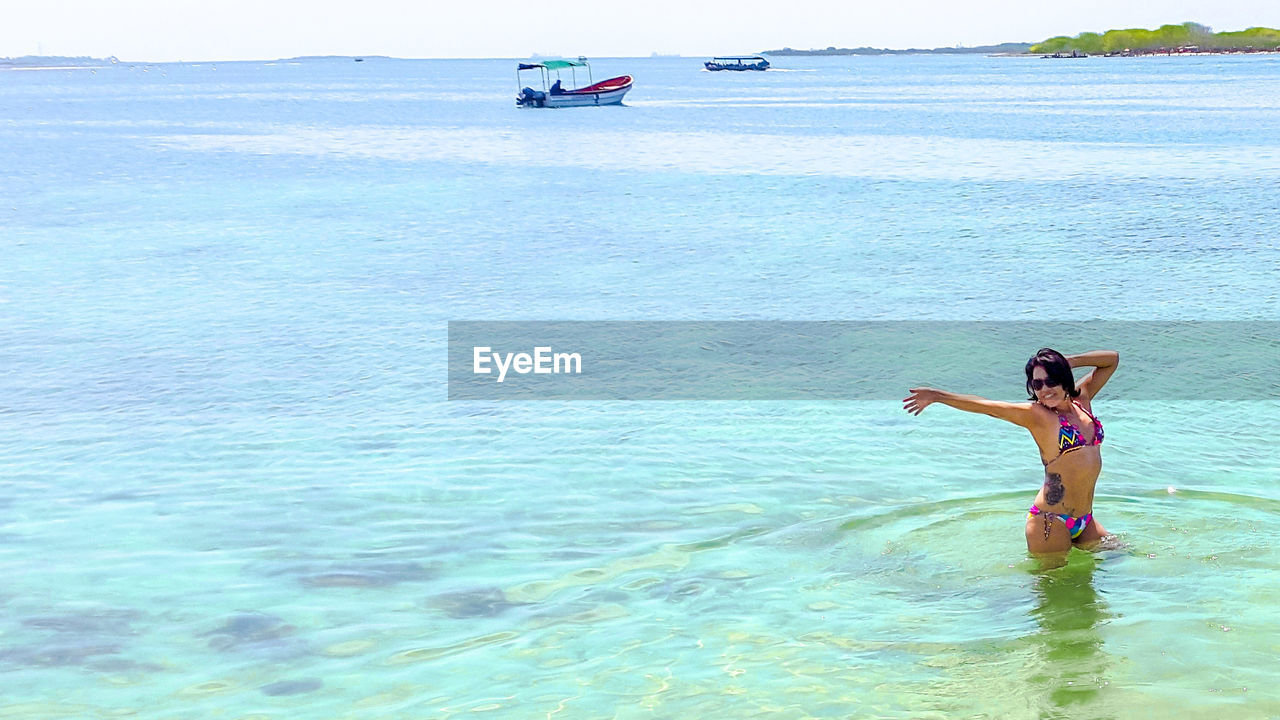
(168, 30)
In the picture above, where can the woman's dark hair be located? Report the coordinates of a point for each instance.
(1056, 367)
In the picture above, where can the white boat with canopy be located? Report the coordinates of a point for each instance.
(605, 92)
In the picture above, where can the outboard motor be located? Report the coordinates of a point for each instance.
(531, 97)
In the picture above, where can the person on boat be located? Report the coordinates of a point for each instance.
(1059, 416)
(557, 88)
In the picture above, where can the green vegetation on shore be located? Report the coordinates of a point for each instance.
(1166, 36)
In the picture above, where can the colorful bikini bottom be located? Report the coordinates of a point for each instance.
(1075, 526)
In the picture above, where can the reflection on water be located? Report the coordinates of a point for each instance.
(1072, 659)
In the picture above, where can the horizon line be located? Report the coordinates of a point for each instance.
(548, 56)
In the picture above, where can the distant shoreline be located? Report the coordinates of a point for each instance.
(1020, 50)
(57, 61)
(1003, 48)
(63, 62)
(1011, 50)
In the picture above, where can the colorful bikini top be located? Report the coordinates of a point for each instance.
(1069, 435)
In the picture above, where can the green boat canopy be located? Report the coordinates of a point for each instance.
(553, 64)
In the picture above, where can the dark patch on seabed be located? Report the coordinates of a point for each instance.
(475, 603)
(291, 687)
(252, 627)
(121, 496)
(60, 654)
(89, 639)
(257, 634)
(366, 575)
(685, 590)
(352, 573)
(116, 622)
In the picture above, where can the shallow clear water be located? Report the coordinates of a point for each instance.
(231, 483)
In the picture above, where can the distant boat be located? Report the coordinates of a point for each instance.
(359, 59)
(737, 62)
(605, 92)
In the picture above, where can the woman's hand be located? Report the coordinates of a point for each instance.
(1021, 414)
(919, 399)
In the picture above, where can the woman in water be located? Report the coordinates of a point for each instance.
(1061, 421)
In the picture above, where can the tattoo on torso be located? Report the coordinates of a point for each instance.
(1053, 489)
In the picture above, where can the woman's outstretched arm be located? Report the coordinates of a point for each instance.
(922, 397)
(1104, 363)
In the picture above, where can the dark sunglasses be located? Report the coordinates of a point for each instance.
(1047, 382)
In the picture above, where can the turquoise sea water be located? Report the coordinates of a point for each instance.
(231, 485)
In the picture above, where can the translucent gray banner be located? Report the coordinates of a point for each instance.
(776, 360)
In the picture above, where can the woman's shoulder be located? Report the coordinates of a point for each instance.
(1044, 415)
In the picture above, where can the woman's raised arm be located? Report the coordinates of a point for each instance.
(1104, 363)
(920, 398)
